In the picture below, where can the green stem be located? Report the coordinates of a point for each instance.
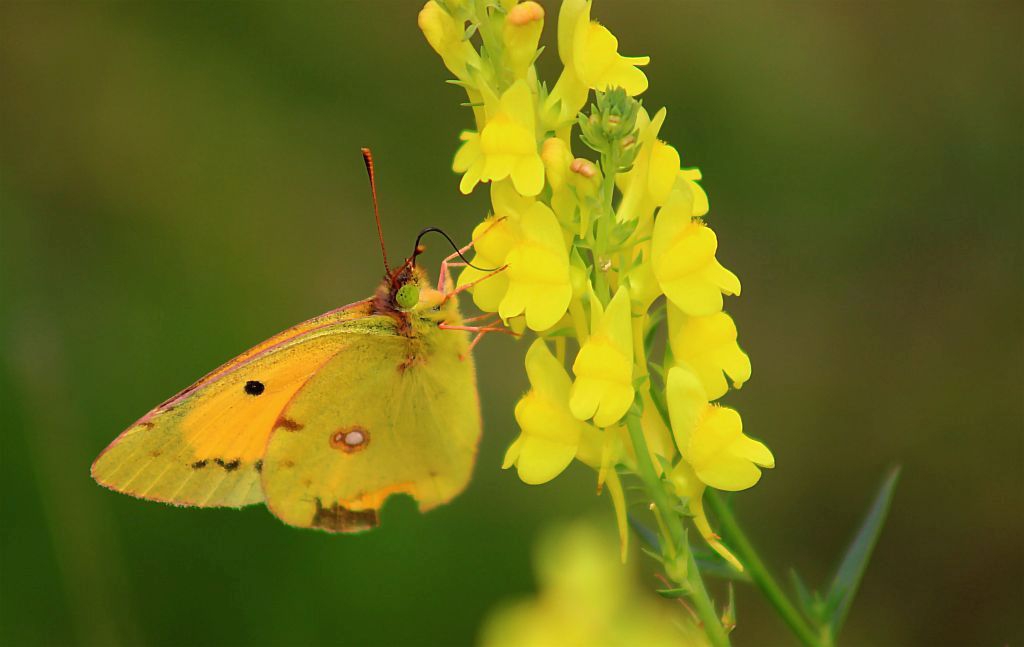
(762, 577)
(698, 595)
(609, 162)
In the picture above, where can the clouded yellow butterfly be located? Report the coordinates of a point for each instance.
(324, 421)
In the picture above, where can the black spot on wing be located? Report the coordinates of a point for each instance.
(229, 466)
(198, 465)
(254, 387)
(259, 465)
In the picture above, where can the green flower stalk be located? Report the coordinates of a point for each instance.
(606, 251)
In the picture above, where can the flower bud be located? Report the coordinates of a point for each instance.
(523, 26)
(445, 35)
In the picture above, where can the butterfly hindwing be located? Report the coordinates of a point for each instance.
(387, 414)
(204, 447)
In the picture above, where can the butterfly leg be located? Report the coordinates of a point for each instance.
(449, 262)
(466, 286)
(442, 276)
(480, 331)
(486, 315)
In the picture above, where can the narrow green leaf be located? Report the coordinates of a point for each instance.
(810, 603)
(721, 570)
(851, 569)
(674, 593)
(729, 614)
(653, 555)
(645, 533)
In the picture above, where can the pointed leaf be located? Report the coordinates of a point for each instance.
(810, 603)
(851, 569)
(721, 570)
(729, 614)
(648, 535)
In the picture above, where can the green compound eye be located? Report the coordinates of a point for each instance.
(407, 296)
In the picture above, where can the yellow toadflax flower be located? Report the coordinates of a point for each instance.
(683, 254)
(707, 346)
(714, 448)
(550, 435)
(603, 389)
(711, 438)
(507, 145)
(525, 235)
(591, 57)
(539, 282)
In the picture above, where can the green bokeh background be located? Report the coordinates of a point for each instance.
(180, 180)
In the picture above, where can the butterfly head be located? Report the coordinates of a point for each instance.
(404, 286)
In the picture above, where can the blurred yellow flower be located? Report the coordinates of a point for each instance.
(507, 145)
(603, 389)
(587, 598)
(707, 346)
(550, 435)
(711, 438)
(683, 254)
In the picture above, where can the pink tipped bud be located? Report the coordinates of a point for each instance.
(584, 167)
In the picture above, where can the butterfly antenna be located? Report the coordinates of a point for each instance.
(368, 161)
(417, 250)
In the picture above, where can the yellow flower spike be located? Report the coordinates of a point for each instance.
(686, 484)
(539, 280)
(683, 257)
(711, 437)
(653, 176)
(603, 389)
(523, 25)
(550, 435)
(707, 345)
(445, 35)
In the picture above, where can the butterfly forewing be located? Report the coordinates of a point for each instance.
(204, 447)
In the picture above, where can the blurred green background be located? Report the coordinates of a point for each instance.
(178, 181)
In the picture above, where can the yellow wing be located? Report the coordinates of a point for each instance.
(387, 414)
(204, 446)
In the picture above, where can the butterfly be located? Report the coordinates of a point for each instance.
(326, 420)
